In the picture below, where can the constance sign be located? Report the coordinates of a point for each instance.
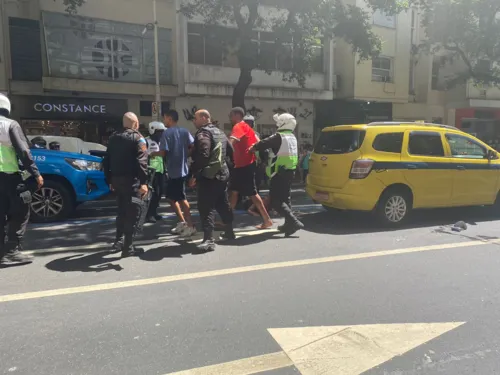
(70, 108)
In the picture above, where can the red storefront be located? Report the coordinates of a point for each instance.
(484, 123)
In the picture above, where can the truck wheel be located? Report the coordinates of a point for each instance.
(394, 207)
(53, 202)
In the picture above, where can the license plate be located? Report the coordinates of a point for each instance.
(321, 196)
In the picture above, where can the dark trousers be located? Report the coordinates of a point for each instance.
(14, 213)
(280, 194)
(130, 208)
(212, 196)
(305, 172)
(156, 195)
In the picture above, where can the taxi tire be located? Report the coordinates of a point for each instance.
(385, 198)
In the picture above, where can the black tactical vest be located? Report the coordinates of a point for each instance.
(217, 166)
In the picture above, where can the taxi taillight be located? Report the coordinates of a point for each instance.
(361, 169)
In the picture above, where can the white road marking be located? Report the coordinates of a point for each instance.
(245, 366)
(233, 271)
(346, 350)
(353, 350)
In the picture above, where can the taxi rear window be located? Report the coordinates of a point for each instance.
(339, 142)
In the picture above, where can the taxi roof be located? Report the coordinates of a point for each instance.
(417, 125)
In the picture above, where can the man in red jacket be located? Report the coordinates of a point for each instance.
(243, 174)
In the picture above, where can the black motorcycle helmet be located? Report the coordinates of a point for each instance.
(39, 142)
(56, 146)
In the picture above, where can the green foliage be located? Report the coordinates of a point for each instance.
(300, 24)
(72, 5)
(465, 32)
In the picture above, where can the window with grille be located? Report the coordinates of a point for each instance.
(382, 69)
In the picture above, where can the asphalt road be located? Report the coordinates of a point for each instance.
(80, 310)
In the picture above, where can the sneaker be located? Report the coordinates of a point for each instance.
(132, 252)
(206, 246)
(151, 220)
(117, 246)
(158, 217)
(227, 236)
(188, 231)
(179, 228)
(16, 258)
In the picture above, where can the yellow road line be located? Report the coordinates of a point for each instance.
(246, 366)
(236, 270)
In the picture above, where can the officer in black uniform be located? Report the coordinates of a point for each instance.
(15, 194)
(126, 169)
(211, 174)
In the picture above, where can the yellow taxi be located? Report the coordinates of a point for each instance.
(394, 167)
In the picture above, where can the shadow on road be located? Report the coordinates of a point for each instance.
(350, 223)
(97, 262)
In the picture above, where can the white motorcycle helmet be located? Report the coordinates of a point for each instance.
(285, 121)
(5, 103)
(155, 126)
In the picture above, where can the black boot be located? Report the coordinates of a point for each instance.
(129, 250)
(293, 228)
(228, 234)
(13, 256)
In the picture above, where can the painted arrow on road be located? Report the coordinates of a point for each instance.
(339, 350)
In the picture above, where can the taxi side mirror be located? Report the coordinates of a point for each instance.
(492, 155)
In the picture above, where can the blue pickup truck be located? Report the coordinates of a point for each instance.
(70, 179)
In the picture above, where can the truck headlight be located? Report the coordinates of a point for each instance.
(84, 165)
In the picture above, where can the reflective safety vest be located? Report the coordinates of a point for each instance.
(155, 162)
(8, 157)
(287, 157)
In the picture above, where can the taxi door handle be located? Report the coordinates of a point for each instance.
(461, 168)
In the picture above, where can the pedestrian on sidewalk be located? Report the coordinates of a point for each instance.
(281, 169)
(15, 192)
(211, 175)
(126, 170)
(304, 162)
(156, 130)
(243, 174)
(176, 145)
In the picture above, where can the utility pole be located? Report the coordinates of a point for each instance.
(157, 67)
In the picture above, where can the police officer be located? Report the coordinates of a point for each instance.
(211, 174)
(156, 130)
(126, 170)
(55, 146)
(15, 196)
(39, 142)
(281, 169)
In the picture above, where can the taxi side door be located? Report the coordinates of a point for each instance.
(425, 169)
(475, 176)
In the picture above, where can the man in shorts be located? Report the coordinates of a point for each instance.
(243, 174)
(176, 145)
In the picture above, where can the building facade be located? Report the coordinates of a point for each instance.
(76, 76)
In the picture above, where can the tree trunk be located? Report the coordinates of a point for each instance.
(244, 81)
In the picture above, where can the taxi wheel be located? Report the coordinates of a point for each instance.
(394, 206)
